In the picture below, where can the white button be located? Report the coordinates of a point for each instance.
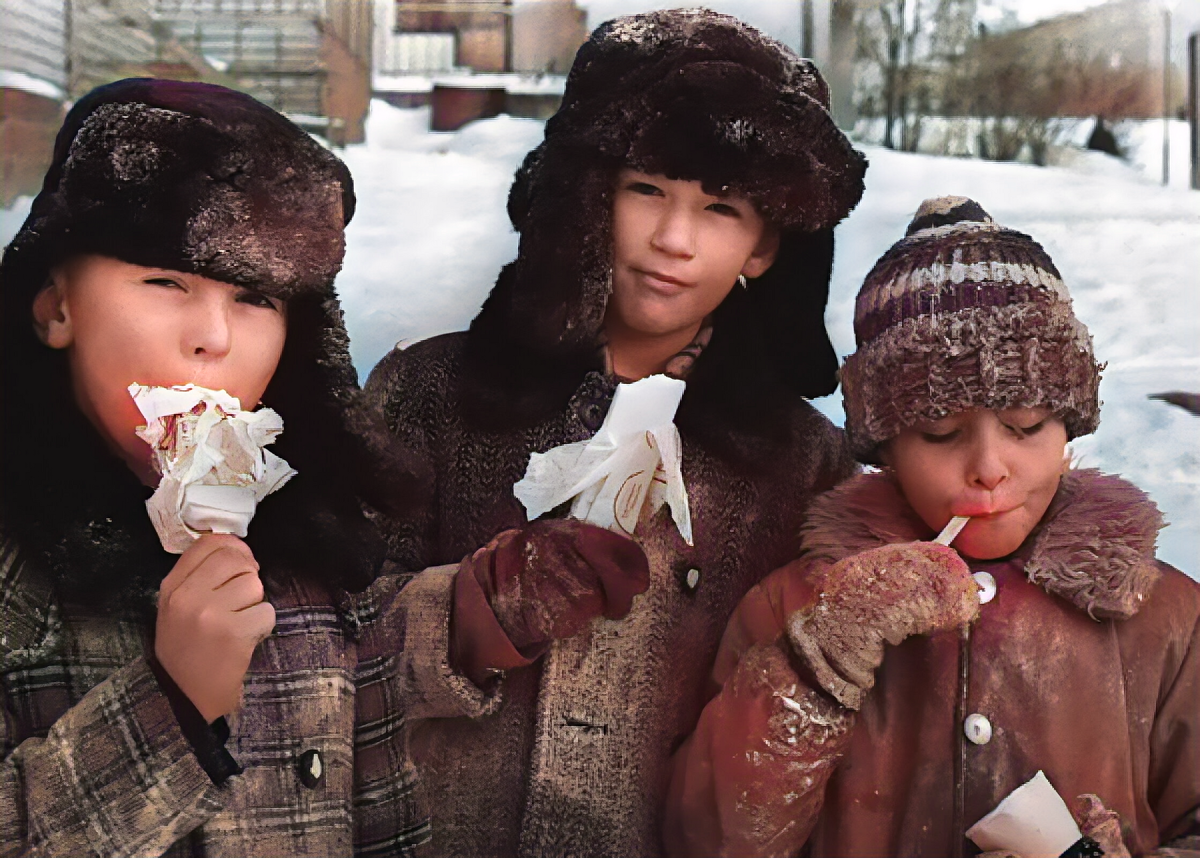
(978, 729)
(987, 586)
(693, 579)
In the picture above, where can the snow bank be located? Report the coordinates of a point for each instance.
(430, 232)
(10, 79)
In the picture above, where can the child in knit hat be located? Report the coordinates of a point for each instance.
(209, 702)
(1050, 641)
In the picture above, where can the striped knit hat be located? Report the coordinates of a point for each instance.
(961, 314)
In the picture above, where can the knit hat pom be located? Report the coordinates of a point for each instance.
(945, 211)
(964, 314)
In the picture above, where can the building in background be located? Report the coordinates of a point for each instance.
(471, 59)
(1107, 60)
(546, 34)
(472, 34)
(56, 50)
(33, 86)
(308, 59)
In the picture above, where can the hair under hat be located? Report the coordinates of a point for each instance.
(964, 314)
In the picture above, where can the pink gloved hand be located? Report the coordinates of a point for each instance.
(211, 616)
(879, 596)
(543, 582)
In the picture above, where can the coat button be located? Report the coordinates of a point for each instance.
(987, 586)
(691, 579)
(978, 729)
(311, 768)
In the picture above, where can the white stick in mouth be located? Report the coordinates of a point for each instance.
(951, 530)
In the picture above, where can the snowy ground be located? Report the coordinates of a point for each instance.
(431, 233)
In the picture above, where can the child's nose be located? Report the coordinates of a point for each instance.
(675, 234)
(988, 469)
(208, 334)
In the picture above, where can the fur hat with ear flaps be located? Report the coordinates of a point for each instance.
(200, 179)
(691, 95)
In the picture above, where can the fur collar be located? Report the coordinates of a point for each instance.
(1094, 547)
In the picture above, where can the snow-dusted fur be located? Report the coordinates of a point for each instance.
(1094, 546)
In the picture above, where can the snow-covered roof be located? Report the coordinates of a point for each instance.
(518, 84)
(28, 83)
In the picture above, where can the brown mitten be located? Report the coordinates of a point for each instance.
(879, 596)
(543, 582)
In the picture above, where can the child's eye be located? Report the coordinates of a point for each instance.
(724, 209)
(258, 299)
(644, 188)
(940, 437)
(163, 281)
(1024, 431)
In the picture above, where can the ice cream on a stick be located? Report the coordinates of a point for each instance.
(212, 460)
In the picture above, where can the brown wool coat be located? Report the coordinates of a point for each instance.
(94, 762)
(1108, 705)
(573, 759)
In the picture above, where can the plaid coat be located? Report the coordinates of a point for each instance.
(95, 763)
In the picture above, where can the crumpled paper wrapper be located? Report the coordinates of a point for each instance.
(211, 457)
(1033, 821)
(634, 459)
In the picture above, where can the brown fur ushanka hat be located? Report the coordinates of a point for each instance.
(196, 178)
(690, 94)
(961, 314)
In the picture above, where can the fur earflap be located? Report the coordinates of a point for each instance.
(1094, 546)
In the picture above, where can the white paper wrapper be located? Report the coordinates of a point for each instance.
(210, 456)
(1033, 821)
(634, 459)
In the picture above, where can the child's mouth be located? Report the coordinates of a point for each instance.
(663, 282)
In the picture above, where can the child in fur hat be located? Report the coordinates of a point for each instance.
(186, 233)
(691, 152)
(1051, 641)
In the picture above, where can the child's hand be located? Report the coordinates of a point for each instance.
(543, 582)
(882, 595)
(211, 616)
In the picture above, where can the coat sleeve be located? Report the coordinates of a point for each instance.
(750, 781)
(404, 675)
(393, 390)
(415, 616)
(114, 776)
(1175, 745)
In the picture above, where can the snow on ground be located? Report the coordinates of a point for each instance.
(431, 233)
